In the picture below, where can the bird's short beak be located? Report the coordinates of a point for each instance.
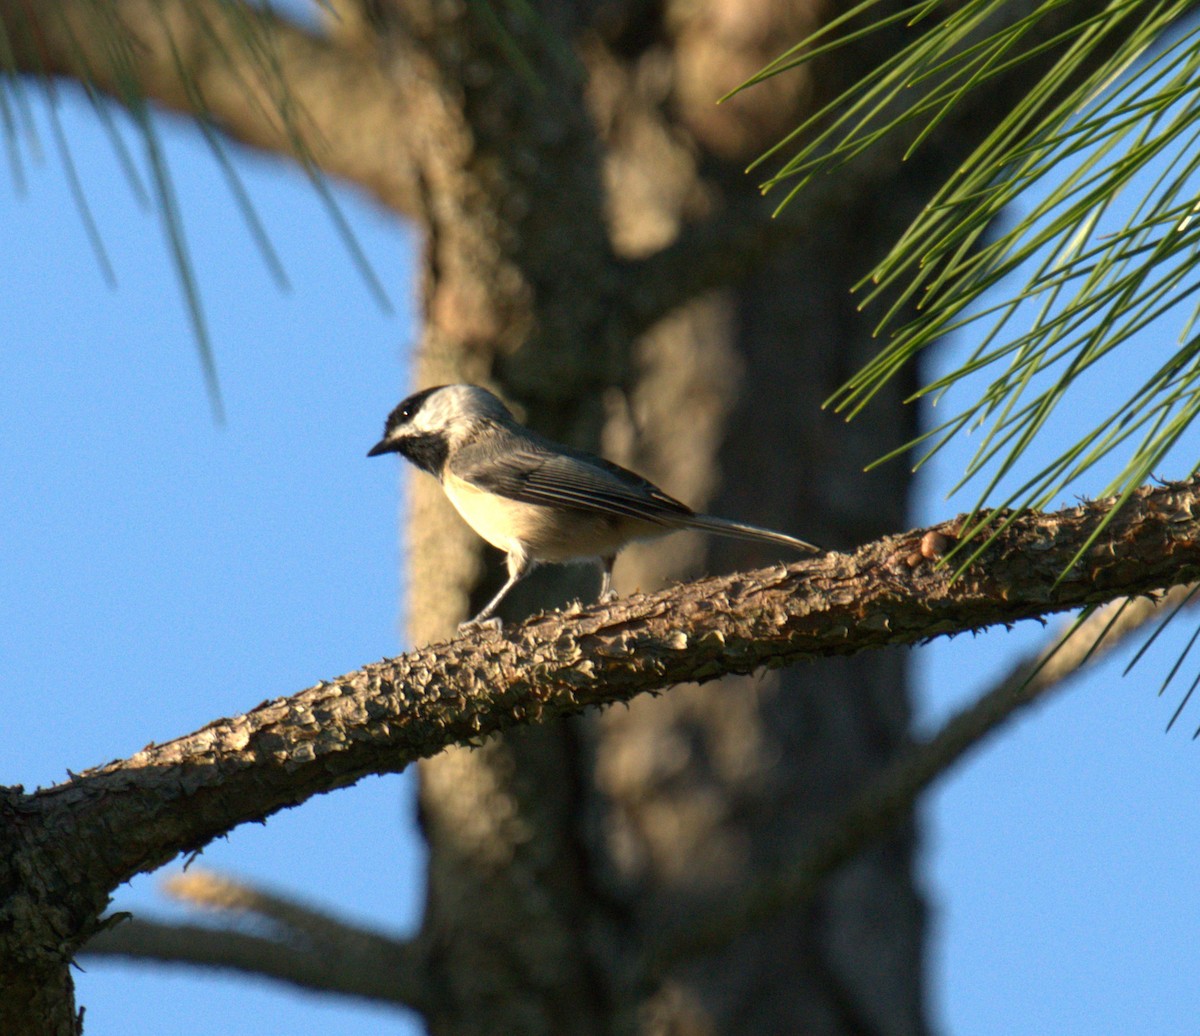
(383, 446)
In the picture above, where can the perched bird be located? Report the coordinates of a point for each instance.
(535, 499)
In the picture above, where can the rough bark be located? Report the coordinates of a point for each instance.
(304, 942)
(593, 250)
(68, 847)
(38, 997)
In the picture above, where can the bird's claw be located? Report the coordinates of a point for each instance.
(492, 625)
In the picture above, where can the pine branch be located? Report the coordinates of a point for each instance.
(263, 80)
(384, 969)
(68, 846)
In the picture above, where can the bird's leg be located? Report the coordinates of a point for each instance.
(607, 594)
(519, 567)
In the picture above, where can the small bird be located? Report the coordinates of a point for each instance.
(534, 499)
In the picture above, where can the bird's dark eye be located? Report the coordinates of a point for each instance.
(407, 409)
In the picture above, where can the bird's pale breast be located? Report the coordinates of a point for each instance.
(542, 533)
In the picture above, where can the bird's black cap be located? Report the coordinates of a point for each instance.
(401, 415)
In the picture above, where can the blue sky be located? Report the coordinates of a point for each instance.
(160, 571)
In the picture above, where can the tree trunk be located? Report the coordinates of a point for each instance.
(39, 999)
(559, 854)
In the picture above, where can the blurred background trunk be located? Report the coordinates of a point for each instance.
(559, 853)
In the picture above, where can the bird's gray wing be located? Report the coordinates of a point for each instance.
(534, 471)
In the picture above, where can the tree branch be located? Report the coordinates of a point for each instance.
(875, 811)
(376, 967)
(307, 948)
(368, 972)
(264, 80)
(112, 822)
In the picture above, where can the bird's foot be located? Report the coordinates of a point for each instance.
(492, 625)
(607, 597)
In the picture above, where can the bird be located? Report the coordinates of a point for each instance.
(535, 499)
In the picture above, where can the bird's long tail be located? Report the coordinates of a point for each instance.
(724, 527)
